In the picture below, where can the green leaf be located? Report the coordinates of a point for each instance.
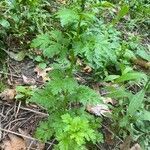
(19, 96)
(143, 54)
(135, 103)
(42, 41)
(86, 95)
(16, 56)
(129, 55)
(111, 77)
(42, 65)
(38, 59)
(21, 89)
(4, 23)
(20, 56)
(52, 50)
(145, 115)
(44, 131)
(106, 4)
(123, 11)
(67, 16)
(131, 76)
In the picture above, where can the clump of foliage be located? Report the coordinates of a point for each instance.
(78, 31)
(20, 20)
(82, 34)
(63, 97)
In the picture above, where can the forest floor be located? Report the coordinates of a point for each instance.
(20, 75)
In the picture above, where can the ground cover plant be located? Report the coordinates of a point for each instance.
(92, 63)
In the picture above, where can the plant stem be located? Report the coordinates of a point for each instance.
(72, 55)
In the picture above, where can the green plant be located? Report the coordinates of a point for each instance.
(85, 36)
(79, 32)
(20, 20)
(131, 116)
(64, 95)
(23, 92)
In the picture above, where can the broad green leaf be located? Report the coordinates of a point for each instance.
(124, 121)
(20, 56)
(143, 54)
(135, 103)
(145, 115)
(104, 4)
(118, 93)
(126, 70)
(19, 96)
(4, 23)
(39, 59)
(131, 76)
(129, 55)
(21, 89)
(111, 77)
(42, 65)
(16, 56)
(123, 11)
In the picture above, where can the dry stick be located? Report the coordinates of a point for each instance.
(50, 145)
(29, 147)
(19, 119)
(18, 109)
(1, 72)
(28, 109)
(21, 135)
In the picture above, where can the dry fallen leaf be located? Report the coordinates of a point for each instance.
(8, 94)
(14, 143)
(109, 137)
(31, 143)
(87, 69)
(99, 109)
(136, 147)
(62, 1)
(43, 73)
(126, 144)
(28, 81)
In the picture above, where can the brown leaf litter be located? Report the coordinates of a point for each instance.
(25, 122)
(8, 95)
(43, 73)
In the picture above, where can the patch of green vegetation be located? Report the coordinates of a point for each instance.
(103, 35)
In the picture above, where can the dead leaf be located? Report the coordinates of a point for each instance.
(8, 94)
(99, 109)
(31, 143)
(14, 143)
(126, 144)
(109, 137)
(43, 73)
(141, 63)
(87, 69)
(62, 1)
(136, 147)
(28, 81)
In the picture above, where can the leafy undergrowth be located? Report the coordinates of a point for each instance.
(92, 58)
